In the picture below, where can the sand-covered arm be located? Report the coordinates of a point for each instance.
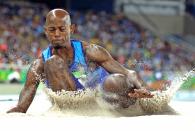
(28, 92)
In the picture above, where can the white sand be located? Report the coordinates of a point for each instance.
(38, 118)
(56, 122)
(83, 112)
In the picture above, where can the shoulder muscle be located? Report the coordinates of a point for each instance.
(97, 53)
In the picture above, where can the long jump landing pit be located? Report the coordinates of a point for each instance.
(87, 111)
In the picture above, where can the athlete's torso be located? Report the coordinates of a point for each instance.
(84, 73)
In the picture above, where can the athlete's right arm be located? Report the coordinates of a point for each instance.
(27, 94)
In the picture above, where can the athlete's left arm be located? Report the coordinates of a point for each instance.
(103, 58)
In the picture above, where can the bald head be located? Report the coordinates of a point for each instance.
(57, 15)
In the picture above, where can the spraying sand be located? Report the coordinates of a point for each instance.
(88, 110)
(91, 103)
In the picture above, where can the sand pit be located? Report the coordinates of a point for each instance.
(58, 121)
(91, 116)
(86, 110)
(91, 103)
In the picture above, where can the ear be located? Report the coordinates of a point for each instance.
(73, 29)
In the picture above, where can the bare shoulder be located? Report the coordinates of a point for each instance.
(85, 44)
(92, 47)
(96, 52)
(35, 73)
(37, 65)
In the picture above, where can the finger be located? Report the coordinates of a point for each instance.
(148, 95)
(133, 95)
(140, 90)
(137, 95)
(143, 93)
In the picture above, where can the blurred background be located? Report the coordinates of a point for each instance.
(156, 38)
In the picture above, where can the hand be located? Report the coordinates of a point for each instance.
(140, 93)
(16, 109)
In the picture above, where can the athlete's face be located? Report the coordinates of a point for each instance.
(58, 31)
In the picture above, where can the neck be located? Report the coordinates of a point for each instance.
(65, 52)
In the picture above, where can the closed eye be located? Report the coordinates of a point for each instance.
(51, 29)
(62, 29)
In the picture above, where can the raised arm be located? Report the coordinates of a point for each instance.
(28, 92)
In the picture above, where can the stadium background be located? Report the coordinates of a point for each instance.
(155, 38)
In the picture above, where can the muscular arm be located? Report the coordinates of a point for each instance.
(28, 92)
(102, 57)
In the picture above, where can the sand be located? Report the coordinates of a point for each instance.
(43, 116)
(87, 111)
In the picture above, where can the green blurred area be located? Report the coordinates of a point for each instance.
(189, 84)
(7, 88)
(4, 75)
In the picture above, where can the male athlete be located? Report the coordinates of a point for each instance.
(75, 65)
